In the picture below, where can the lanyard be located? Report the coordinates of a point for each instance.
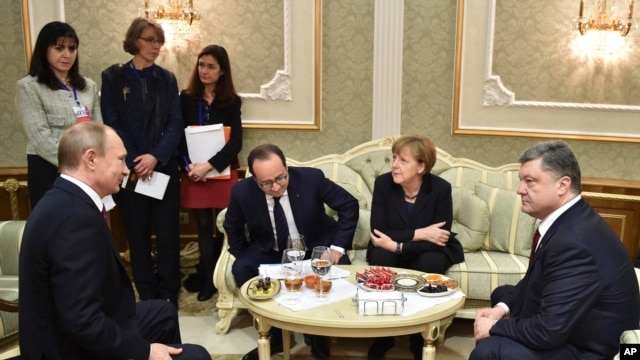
(136, 72)
(75, 94)
(206, 113)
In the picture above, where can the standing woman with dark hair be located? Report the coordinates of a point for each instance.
(50, 99)
(210, 98)
(140, 102)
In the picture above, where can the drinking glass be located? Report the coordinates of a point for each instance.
(321, 265)
(292, 272)
(296, 242)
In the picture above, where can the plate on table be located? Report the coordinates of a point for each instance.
(256, 293)
(439, 279)
(426, 293)
(384, 287)
(408, 282)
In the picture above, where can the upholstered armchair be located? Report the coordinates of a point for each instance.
(10, 240)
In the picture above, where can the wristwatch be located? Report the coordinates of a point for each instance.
(398, 248)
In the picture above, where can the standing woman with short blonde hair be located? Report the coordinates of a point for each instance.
(140, 102)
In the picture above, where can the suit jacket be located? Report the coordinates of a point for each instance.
(580, 289)
(389, 214)
(309, 190)
(76, 300)
(147, 118)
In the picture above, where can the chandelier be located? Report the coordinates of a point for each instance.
(179, 20)
(605, 15)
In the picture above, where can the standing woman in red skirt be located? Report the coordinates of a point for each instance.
(210, 98)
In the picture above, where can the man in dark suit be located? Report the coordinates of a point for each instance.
(76, 299)
(580, 291)
(302, 194)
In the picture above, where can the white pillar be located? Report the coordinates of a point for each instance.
(387, 68)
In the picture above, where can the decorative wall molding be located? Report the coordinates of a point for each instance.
(496, 94)
(292, 98)
(279, 88)
(484, 106)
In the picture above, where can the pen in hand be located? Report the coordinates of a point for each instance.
(186, 164)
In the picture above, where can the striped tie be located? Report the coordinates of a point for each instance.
(282, 229)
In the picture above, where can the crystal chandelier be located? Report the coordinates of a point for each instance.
(605, 15)
(179, 20)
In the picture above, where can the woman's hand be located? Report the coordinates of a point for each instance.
(144, 165)
(379, 239)
(433, 233)
(199, 171)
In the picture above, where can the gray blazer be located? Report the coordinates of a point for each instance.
(46, 114)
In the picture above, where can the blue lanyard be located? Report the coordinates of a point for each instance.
(136, 72)
(75, 94)
(206, 114)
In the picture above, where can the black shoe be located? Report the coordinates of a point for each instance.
(193, 282)
(307, 339)
(253, 354)
(379, 348)
(319, 347)
(207, 292)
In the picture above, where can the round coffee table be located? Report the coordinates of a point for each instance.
(341, 319)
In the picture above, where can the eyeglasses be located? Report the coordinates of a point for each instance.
(150, 41)
(269, 183)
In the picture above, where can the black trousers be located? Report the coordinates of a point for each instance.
(142, 216)
(41, 175)
(158, 323)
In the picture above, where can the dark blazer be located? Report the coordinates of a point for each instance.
(146, 117)
(67, 248)
(309, 190)
(580, 289)
(389, 214)
(228, 115)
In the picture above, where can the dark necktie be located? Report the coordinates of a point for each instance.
(105, 216)
(534, 245)
(282, 229)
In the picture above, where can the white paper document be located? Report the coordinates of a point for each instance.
(203, 142)
(154, 186)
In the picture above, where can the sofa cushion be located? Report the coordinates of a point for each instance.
(348, 179)
(511, 230)
(470, 218)
(482, 271)
(467, 177)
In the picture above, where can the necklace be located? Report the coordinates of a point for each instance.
(411, 197)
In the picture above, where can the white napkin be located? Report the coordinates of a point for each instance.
(274, 271)
(340, 289)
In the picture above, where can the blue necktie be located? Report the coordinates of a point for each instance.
(282, 229)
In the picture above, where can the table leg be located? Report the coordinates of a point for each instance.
(430, 335)
(264, 347)
(286, 344)
(264, 342)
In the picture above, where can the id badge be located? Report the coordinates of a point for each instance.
(82, 113)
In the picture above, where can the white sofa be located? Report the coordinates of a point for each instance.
(495, 234)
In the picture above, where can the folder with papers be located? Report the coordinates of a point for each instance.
(205, 141)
